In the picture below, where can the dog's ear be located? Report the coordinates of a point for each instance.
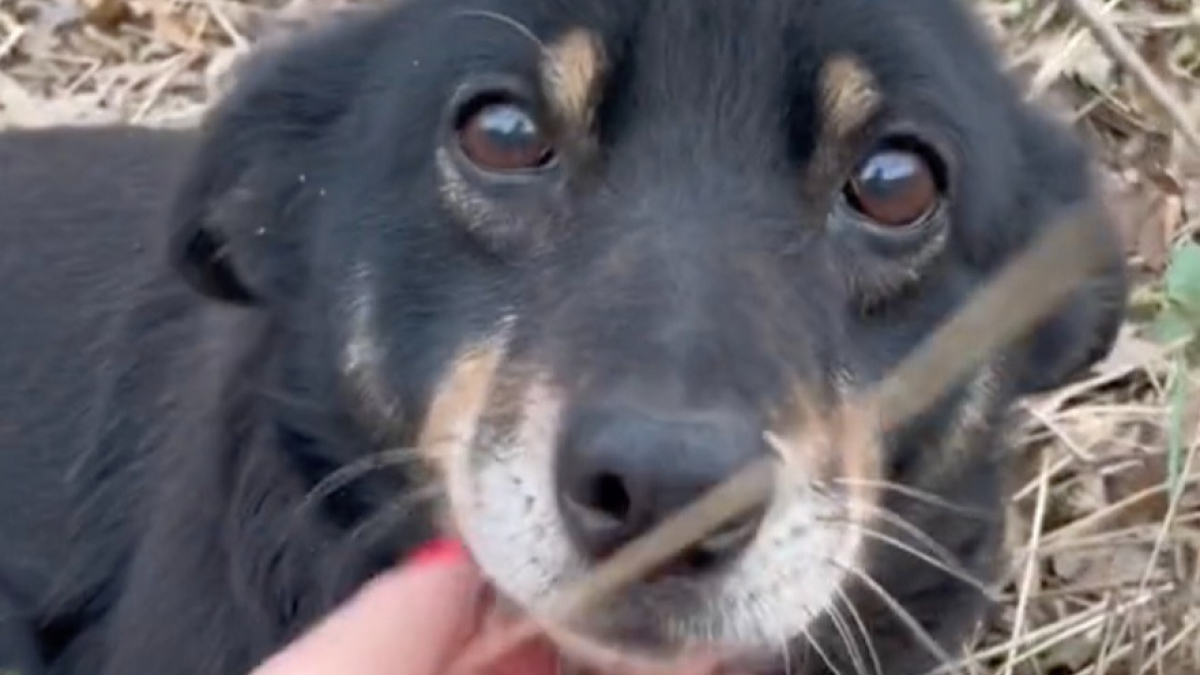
(1057, 176)
(234, 235)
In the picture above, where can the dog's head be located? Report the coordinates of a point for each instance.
(593, 256)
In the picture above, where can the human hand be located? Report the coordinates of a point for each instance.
(411, 621)
(419, 619)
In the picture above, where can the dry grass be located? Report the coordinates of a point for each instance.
(1105, 574)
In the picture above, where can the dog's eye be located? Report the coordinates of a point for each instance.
(894, 187)
(502, 136)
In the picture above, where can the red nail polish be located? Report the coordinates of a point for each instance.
(438, 552)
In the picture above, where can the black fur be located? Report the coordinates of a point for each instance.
(162, 418)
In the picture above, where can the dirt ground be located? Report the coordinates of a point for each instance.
(1105, 573)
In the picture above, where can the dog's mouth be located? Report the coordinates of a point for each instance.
(506, 628)
(492, 434)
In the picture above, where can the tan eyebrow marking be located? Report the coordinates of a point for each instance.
(849, 97)
(572, 69)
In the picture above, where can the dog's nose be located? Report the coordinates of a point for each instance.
(620, 472)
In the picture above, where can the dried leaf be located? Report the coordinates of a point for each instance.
(1144, 474)
(1180, 319)
(175, 30)
(107, 15)
(1133, 209)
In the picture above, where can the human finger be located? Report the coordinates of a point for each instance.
(410, 621)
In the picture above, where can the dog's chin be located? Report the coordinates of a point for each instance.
(602, 644)
(665, 626)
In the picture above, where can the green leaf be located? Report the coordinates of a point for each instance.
(1183, 278)
(1173, 325)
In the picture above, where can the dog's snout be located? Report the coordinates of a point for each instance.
(621, 471)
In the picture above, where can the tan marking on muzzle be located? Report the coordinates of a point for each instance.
(572, 70)
(834, 447)
(459, 402)
(849, 97)
(510, 405)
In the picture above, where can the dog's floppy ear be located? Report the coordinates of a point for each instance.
(1057, 176)
(232, 238)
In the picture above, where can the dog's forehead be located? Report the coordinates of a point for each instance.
(712, 61)
(670, 46)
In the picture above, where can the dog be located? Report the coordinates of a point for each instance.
(535, 274)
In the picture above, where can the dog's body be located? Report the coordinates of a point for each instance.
(68, 352)
(372, 245)
(101, 337)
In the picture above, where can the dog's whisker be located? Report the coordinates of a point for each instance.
(347, 474)
(868, 642)
(813, 644)
(892, 517)
(917, 494)
(940, 558)
(390, 458)
(846, 636)
(953, 571)
(506, 20)
(902, 614)
(787, 656)
(395, 512)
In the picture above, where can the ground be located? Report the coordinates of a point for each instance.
(1105, 572)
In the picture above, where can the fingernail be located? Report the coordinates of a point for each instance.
(438, 552)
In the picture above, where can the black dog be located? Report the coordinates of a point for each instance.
(540, 271)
